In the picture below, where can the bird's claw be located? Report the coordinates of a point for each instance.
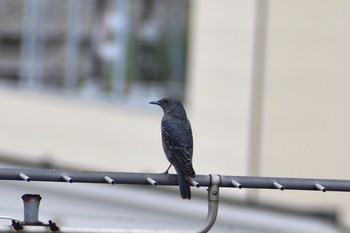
(166, 173)
(167, 170)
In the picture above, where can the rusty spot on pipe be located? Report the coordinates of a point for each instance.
(30, 197)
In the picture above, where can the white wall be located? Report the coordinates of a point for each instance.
(81, 133)
(306, 114)
(220, 82)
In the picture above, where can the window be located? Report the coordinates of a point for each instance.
(100, 49)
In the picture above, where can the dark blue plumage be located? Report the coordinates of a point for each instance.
(177, 141)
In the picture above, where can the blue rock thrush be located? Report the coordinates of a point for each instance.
(177, 142)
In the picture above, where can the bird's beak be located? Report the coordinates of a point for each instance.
(154, 102)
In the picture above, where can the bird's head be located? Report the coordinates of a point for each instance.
(169, 104)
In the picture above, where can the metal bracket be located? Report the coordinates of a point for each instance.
(213, 204)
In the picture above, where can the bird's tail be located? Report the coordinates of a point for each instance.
(184, 185)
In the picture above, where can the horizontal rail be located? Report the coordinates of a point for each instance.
(280, 183)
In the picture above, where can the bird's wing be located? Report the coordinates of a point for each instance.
(180, 144)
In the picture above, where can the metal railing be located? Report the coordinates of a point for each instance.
(214, 182)
(281, 183)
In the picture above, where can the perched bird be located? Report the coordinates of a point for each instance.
(177, 142)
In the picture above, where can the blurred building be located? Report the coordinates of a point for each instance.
(111, 50)
(265, 84)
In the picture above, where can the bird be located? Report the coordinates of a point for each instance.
(177, 141)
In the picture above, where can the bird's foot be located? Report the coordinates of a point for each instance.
(166, 172)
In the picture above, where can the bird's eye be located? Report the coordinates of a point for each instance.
(166, 101)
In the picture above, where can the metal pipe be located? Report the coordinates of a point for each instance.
(32, 201)
(109, 180)
(52, 175)
(278, 185)
(31, 208)
(151, 181)
(67, 178)
(194, 183)
(320, 187)
(24, 177)
(236, 184)
(213, 204)
(288, 183)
